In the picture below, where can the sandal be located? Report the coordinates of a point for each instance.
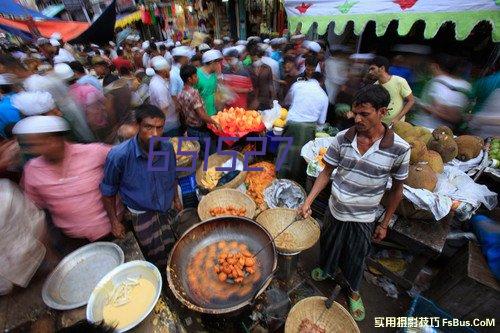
(318, 275)
(357, 308)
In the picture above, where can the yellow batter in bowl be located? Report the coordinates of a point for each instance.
(128, 302)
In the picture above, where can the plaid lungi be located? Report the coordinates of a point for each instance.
(155, 236)
(345, 245)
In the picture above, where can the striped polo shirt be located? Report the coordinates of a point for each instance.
(359, 182)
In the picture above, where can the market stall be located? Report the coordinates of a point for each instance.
(463, 13)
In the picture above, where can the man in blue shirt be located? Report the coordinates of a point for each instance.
(149, 195)
(8, 113)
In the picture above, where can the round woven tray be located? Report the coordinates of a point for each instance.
(301, 236)
(184, 161)
(333, 320)
(223, 198)
(215, 160)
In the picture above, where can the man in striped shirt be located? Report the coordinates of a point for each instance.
(364, 157)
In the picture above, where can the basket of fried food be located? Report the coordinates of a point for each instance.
(310, 315)
(300, 236)
(226, 202)
(187, 146)
(212, 178)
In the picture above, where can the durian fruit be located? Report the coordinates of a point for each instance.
(421, 176)
(469, 147)
(434, 160)
(418, 149)
(444, 145)
(442, 130)
(402, 128)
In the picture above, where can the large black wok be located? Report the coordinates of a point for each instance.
(201, 235)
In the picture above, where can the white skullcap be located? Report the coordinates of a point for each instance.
(226, 39)
(169, 44)
(181, 51)
(91, 54)
(33, 103)
(312, 46)
(160, 64)
(362, 56)
(137, 38)
(40, 124)
(257, 38)
(94, 45)
(130, 37)
(42, 41)
(211, 55)
(230, 52)
(150, 71)
(63, 71)
(203, 47)
(158, 44)
(275, 41)
(263, 46)
(112, 43)
(7, 79)
(267, 40)
(240, 48)
(135, 48)
(241, 42)
(218, 41)
(298, 36)
(56, 35)
(178, 43)
(60, 58)
(145, 45)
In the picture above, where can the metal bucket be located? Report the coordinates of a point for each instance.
(287, 265)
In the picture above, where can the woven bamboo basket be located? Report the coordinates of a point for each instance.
(300, 236)
(333, 320)
(223, 198)
(215, 160)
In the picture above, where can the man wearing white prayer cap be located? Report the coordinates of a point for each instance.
(61, 54)
(35, 104)
(241, 42)
(181, 56)
(207, 79)
(312, 46)
(203, 47)
(64, 179)
(267, 41)
(178, 43)
(161, 97)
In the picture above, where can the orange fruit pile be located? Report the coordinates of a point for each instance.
(238, 120)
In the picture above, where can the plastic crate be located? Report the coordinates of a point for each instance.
(422, 307)
(187, 184)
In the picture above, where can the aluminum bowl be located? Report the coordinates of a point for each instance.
(132, 269)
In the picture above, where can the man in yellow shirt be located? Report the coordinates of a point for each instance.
(401, 95)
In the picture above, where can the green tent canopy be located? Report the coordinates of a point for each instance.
(465, 14)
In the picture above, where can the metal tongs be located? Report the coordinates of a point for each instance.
(297, 217)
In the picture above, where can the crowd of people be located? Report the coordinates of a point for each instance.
(76, 122)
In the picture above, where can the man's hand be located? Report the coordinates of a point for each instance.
(177, 205)
(305, 210)
(380, 233)
(117, 229)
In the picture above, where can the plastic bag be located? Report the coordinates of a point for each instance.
(224, 95)
(269, 116)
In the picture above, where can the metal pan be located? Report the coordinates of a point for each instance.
(70, 284)
(201, 235)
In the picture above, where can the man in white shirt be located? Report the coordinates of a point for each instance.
(160, 96)
(336, 70)
(181, 55)
(445, 97)
(308, 109)
(308, 101)
(275, 68)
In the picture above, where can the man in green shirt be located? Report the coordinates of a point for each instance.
(401, 95)
(207, 79)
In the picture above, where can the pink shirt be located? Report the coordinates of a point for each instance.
(70, 191)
